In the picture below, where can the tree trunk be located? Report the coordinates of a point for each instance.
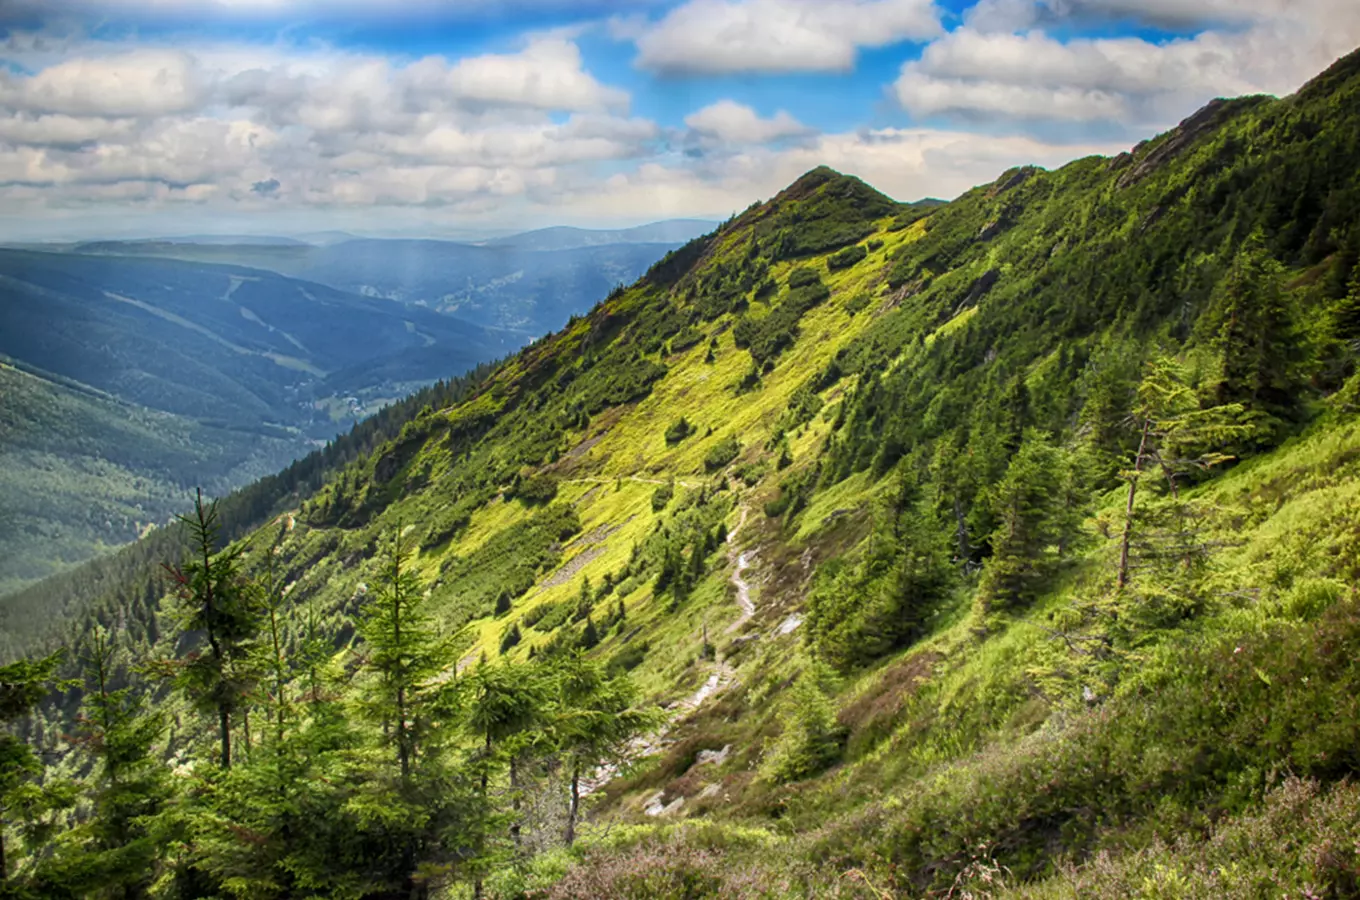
(514, 805)
(4, 871)
(575, 806)
(961, 534)
(224, 726)
(1127, 537)
(403, 750)
(486, 768)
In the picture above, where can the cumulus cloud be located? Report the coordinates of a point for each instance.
(94, 123)
(713, 36)
(998, 65)
(907, 164)
(729, 122)
(138, 83)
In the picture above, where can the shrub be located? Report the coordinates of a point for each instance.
(689, 336)
(751, 473)
(630, 657)
(678, 431)
(846, 258)
(535, 490)
(722, 453)
(661, 497)
(803, 277)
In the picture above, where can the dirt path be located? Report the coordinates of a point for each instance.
(597, 479)
(718, 679)
(741, 561)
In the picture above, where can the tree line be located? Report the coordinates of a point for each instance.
(264, 760)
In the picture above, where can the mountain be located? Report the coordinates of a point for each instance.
(255, 240)
(1001, 548)
(131, 380)
(670, 231)
(531, 283)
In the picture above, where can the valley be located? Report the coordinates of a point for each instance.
(244, 369)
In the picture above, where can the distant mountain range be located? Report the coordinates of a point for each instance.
(531, 282)
(562, 237)
(127, 381)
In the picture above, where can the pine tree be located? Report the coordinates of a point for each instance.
(811, 739)
(1025, 505)
(593, 719)
(112, 853)
(1250, 328)
(25, 800)
(1180, 437)
(409, 695)
(218, 602)
(511, 638)
(403, 652)
(505, 704)
(590, 635)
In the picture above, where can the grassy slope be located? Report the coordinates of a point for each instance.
(993, 748)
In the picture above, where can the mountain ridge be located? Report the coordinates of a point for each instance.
(1044, 500)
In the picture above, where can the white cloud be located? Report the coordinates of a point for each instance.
(547, 75)
(729, 122)
(776, 35)
(907, 164)
(96, 123)
(137, 83)
(984, 70)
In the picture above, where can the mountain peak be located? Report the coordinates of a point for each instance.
(829, 182)
(1345, 72)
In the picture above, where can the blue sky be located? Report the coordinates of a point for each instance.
(472, 117)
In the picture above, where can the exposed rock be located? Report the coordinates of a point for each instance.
(656, 806)
(1013, 179)
(978, 290)
(1120, 162)
(1179, 140)
(713, 756)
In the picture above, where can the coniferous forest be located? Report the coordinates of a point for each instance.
(1005, 547)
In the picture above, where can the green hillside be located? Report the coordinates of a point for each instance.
(999, 548)
(82, 473)
(155, 376)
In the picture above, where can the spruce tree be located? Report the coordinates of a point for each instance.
(1026, 506)
(26, 802)
(593, 719)
(506, 704)
(112, 853)
(404, 654)
(215, 600)
(1251, 331)
(1160, 547)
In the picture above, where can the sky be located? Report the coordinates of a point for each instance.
(465, 118)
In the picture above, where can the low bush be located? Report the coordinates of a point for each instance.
(846, 258)
(678, 430)
(722, 453)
